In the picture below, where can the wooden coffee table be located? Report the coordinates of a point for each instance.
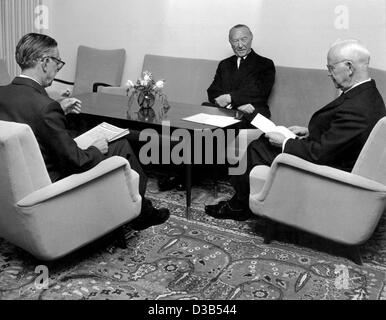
(115, 109)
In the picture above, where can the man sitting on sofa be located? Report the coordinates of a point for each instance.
(243, 81)
(25, 100)
(335, 135)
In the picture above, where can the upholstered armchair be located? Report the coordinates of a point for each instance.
(94, 68)
(337, 205)
(50, 220)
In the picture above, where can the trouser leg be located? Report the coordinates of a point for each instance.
(259, 152)
(123, 148)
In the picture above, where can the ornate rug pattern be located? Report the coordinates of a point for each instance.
(199, 258)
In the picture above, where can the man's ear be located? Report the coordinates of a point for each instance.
(350, 67)
(44, 64)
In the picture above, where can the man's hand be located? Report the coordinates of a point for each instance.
(66, 93)
(247, 108)
(71, 105)
(301, 132)
(101, 144)
(275, 138)
(223, 100)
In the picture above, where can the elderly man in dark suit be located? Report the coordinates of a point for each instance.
(335, 134)
(243, 81)
(25, 100)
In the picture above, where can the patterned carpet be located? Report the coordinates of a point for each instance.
(201, 258)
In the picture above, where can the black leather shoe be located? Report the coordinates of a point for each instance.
(150, 218)
(171, 183)
(222, 210)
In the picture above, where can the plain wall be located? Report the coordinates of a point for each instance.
(293, 33)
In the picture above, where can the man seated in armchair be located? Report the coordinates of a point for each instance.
(335, 135)
(25, 100)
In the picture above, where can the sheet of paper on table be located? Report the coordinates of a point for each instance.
(213, 120)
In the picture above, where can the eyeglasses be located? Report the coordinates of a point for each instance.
(331, 67)
(59, 63)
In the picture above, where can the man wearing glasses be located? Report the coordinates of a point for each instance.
(25, 100)
(335, 135)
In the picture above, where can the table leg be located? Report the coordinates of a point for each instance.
(188, 184)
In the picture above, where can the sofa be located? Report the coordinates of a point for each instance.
(296, 94)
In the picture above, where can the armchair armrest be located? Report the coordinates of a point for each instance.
(76, 180)
(327, 172)
(99, 84)
(64, 81)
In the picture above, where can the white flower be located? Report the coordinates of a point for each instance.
(129, 84)
(144, 82)
(160, 84)
(147, 76)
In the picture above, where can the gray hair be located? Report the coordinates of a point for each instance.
(31, 47)
(240, 26)
(352, 49)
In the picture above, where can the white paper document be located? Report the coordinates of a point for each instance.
(103, 130)
(266, 125)
(213, 120)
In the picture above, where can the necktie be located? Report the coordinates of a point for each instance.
(240, 62)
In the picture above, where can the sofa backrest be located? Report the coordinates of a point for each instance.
(186, 79)
(380, 79)
(296, 94)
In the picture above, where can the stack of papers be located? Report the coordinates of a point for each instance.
(212, 120)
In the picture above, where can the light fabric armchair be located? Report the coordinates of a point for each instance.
(50, 220)
(94, 68)
(337, 205)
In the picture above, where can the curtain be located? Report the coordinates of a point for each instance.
(17, 17)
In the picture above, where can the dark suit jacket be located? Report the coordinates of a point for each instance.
(25, 101)
(339, 130)
(251, 83)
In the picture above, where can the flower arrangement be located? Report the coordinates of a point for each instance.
(146, 83)
(146, 89)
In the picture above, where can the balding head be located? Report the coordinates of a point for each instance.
(352, 50)
(348, 63)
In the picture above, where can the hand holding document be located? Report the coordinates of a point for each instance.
(267, 125)
(103, 130)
